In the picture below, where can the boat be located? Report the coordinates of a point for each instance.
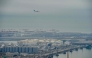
(57, 54)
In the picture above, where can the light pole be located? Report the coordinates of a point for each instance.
(67, 54)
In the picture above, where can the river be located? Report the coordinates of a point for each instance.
(81, 53)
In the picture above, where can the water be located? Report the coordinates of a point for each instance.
(81, 53)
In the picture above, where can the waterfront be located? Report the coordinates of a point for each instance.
(81, 53)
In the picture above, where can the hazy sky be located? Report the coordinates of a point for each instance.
(63, 15)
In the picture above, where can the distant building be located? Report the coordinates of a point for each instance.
(88, 39)
(33, 42)
(67, 43)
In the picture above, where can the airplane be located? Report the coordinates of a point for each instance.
(36, 11)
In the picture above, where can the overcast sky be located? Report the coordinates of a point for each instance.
(63, 15)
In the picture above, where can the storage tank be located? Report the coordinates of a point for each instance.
(0, 49)
(23, 49)
(35, 50)
(11, 49)
(7, 49)
(30, 50)
(27, 50)
(20, 49)
(16, 49)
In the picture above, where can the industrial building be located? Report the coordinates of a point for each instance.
(19, 49)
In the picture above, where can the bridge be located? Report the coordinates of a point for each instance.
(48, 55)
